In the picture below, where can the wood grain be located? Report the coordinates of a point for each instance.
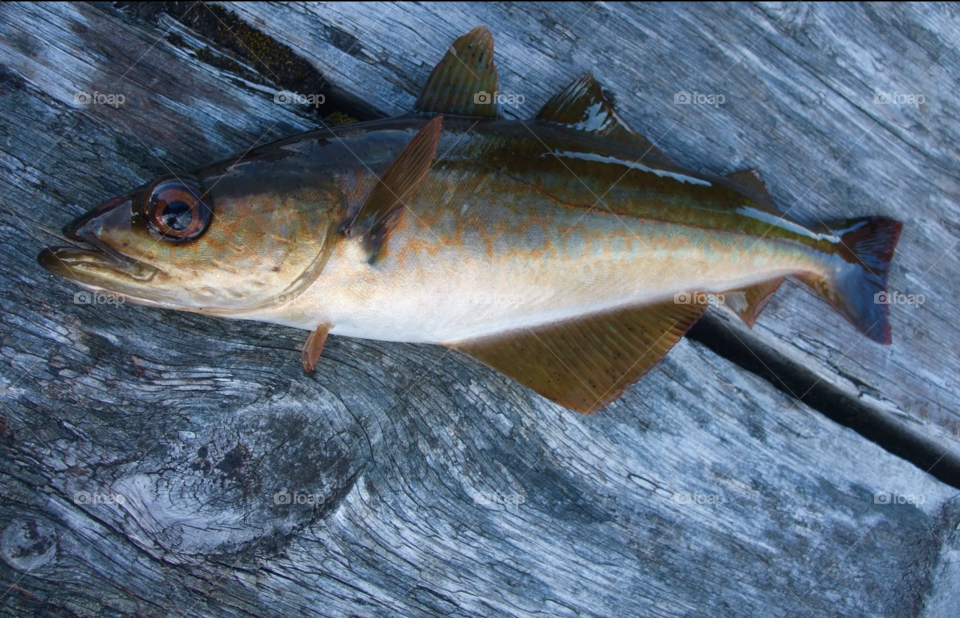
(147, 455)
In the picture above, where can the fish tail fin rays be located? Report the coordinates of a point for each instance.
(585, 363)
(859, 291)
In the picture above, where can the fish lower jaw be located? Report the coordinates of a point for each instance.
(116, 298)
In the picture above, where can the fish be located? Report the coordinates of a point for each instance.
(565, 251)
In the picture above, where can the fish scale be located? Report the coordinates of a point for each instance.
(439, 284)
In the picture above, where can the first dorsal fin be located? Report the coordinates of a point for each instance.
(583, 105)
(465, 82)
(586, 363)
(380, 211)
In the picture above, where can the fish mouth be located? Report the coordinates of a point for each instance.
(88, 265)
(94, 263)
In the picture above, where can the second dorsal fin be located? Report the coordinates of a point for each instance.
(465, 82)
(583, 105)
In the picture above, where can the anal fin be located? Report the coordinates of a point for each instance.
(586, 363)
(749, 302)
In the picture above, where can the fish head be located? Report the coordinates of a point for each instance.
(226, 241)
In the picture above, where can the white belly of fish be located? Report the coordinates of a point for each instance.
(460, 293)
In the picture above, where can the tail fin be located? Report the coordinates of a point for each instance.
(859, 290)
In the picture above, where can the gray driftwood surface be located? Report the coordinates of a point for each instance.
(141, 450)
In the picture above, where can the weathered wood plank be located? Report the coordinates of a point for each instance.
(799, 105)
(142, 449)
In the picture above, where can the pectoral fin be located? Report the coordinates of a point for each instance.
(749, 302)
(313, 346)
(465, 82)
(587, 363)
(381, 210)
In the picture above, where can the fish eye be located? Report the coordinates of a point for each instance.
(178, 210)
